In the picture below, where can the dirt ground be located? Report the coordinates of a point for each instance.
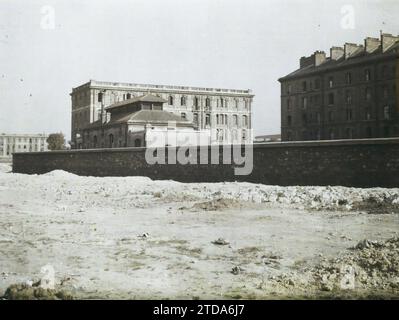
(134, 238)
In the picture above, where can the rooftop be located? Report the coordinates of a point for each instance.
(356, 54)
(145, 98)
(160, 88)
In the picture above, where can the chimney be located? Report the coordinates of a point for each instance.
(319, 57)
(315, 59)
(336, 53)
(350, 49)
(371, 44)
(387, 41)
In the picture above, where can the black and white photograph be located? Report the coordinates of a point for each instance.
(199, 150)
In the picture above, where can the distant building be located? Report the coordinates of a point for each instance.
(139, 122)
(225, 113)
(10, 143)
(353, 93)
(268, 138)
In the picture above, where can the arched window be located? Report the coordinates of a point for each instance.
(183, 101)
(170, 100)
(196, 102)
(111, 140)
(137, 143)
(207, 102)
(221, 102)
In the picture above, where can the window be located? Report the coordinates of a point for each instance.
(348, 97)
(318, 119)
(348, 78)
(367, 114)
(384, 71)
(288, 104)
(304, 102)
(196, 102)
(348, 114)
(183, 115)
(289, 120)
(207, 119)
(111, 140)
(368, 94)
(137, 143)
(331, 82)
(217, 119)
(245, 120)
(317, 84)
(289, 88)
(331, 98)
(221, 102)
(304, 86)
(95, 141)
(195, 118)
(367, 74)
(235, 119)
(330, 116)
(170, 100)
(304, 118)
(100, 97)
(128, 96)
(386, 113)
(236, 103)
(368, 132)
(331, 134)
(385, 92)
(349, 133)
(183, 101)
(207, 102)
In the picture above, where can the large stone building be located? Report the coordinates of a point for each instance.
(10, 143)
(353, 93)
(225, 113)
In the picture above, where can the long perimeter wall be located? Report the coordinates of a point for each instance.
(355, 163)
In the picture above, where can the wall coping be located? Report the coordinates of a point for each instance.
(265, 145)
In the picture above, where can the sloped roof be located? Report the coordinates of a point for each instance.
(143, 116)
(144, 98)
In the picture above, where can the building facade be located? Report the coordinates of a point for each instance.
(351, 94)
(10, 143)
(225, 113)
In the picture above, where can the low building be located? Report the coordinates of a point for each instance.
(139, 122)
(10, 143)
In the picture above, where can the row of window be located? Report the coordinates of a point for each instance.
(315, 99)
(309, 118)
(335, 133)
(367, 76)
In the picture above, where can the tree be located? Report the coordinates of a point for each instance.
(56, 141)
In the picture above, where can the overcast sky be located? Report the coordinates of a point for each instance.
(237, 44)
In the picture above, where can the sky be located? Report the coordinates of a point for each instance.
(49, 47)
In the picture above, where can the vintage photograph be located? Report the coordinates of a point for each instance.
(199, 150)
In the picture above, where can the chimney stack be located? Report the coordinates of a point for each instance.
(387, 41)
(315, 59)
(336, 53)
(371, 44)
(350, 49)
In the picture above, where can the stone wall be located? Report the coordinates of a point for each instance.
(357, 163)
